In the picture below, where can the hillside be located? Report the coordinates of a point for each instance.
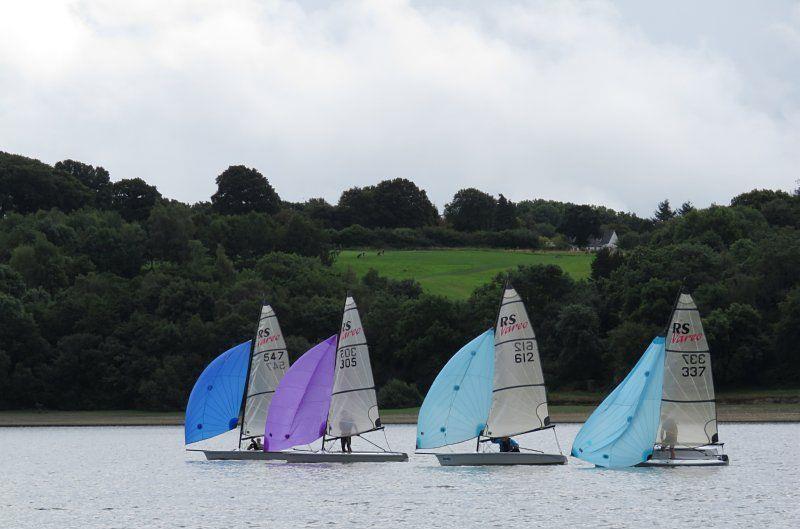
(456, 273)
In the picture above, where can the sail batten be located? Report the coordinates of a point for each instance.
(517, 367)
(354, 403)
(268, 365)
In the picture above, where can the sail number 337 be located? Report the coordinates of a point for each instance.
(695, 365)
(524, 352)
(347, 357)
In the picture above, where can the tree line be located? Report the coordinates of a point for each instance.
(114, 297)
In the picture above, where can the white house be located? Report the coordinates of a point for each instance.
(608, 240)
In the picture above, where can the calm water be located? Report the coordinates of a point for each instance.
(141, 478)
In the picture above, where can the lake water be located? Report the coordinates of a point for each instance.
(140, 477)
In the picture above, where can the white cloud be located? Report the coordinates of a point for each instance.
(561, 101)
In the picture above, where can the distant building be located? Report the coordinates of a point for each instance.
(608, 240)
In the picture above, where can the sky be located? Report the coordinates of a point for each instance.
(620, 103)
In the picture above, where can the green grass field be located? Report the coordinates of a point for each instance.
(456, 273)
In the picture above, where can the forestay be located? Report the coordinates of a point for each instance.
(299, 408)
(519, 399)
(620, 432)
(268, 365)
(216, 397)
(458, 402)
(354, 405)
(688, 410)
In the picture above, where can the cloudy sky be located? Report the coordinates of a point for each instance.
(617, 103)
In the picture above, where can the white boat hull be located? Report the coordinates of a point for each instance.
(304, 457)
(686, 458)
(500, 458)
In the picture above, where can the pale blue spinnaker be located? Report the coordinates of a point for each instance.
(216, 399)
(457, 404)
(622, 430)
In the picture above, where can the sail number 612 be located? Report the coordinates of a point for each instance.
(524, 352)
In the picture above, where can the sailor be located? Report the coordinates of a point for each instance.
(255, 444)
(669, 435)
(346, 444)
(506, 443)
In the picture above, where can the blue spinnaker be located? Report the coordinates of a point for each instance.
(216, 398)
(457, 405)
(622, 430)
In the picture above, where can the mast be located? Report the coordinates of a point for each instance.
(247, 376)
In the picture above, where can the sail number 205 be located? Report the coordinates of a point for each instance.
(524, 352)
(695, 365)
(347, 357)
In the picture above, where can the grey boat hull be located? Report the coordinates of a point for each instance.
(243, 455)
(500, 458)
(686, 458)
(305, 457)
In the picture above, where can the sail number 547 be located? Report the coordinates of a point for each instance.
(524, 352)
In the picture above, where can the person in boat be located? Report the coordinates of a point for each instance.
(255, 444)
(506, 443)
(670, 436)
(346, 425)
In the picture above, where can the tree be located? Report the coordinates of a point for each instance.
(605, 262)
(95, 178)
(241, 190)
(663, 212)
(396, 203)
(470, 210)
(403, 205)
(581, 223)
(170, 228)
(28, 185)
(578, 329)
(505, 214)
(685, 208)
(133, 198)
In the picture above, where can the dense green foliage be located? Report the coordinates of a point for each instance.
(113, 297)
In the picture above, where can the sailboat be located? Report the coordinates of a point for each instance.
(492, 388)
(664, 412)
(236, 389)
(328, 393)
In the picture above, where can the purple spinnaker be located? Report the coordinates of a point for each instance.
(298, 413)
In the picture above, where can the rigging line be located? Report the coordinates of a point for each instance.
(555, 436)
(370, 442)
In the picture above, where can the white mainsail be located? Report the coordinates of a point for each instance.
(354, 405)
(268, 364)
(688, 409)
(519, 400)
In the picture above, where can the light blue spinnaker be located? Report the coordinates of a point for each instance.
(622, 430)
(216, 398)
(457, 405)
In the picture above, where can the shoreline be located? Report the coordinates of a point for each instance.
(727, 413)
